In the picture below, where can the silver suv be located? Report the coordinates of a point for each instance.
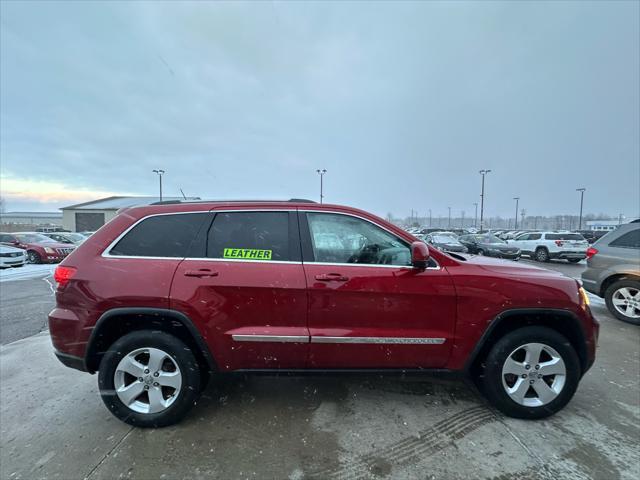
(613, 271)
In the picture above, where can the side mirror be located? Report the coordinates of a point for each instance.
(419, 255)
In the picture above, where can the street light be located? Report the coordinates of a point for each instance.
(515, 226)
(321, 173)
(581, 190)
(483, 173)
(160, 173)
(475, 220)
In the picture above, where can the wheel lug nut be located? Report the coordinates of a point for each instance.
(140, 379)
(527, 367)
(155, 384)
(537, 367)
(146, 370)
(524, 375)
(146, 387)
(156, 374)
(531, 381)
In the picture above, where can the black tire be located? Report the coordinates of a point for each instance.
(608, 298)
(179, 353)
(541, 255)
(492, 380)
(33, 257)
(573, 260)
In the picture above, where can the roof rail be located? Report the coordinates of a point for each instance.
(175, 202)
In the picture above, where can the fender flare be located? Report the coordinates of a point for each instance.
(174, 315)
(504, 316)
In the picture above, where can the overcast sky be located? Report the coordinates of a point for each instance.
(402, 103)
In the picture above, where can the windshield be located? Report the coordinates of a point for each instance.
(444, 239)
(491, 239)
(33, 238)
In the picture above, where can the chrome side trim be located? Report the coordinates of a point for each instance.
(272, 338)
(369, 265)
(378, 340)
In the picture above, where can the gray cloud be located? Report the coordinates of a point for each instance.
(402, 102)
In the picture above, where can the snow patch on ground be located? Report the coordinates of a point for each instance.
(26, 272)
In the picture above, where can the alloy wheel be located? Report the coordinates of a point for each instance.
(626, 300)
(147, 380)
(534, 375)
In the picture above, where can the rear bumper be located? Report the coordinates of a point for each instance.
(506, 256)
(568, 255)
(71, 361)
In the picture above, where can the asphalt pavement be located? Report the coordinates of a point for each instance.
(54, 425)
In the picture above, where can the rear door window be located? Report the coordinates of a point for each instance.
(251, 236)
(161, 236)
(628, 240)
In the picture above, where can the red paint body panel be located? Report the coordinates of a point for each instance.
(246, 298)
(380, 302)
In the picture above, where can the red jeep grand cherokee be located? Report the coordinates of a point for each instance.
(164, 296)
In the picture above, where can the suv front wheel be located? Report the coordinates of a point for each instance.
(531, 373)
(149, 379)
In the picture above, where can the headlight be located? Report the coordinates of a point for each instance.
(49, 250)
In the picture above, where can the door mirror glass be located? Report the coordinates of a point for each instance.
(419, 255)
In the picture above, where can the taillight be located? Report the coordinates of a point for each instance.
(591, 252)
(62, 275)
(559, 243)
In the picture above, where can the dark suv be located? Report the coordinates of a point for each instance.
(165, 296)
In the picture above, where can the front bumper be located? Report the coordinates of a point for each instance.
(11, 261)
(506, 256)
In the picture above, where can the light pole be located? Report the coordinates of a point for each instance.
(475, 220)
(483, 173)
(581, 190)
(449, 217)
(160, 173)
(515, 225)
(321, 173)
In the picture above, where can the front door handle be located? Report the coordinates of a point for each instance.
(203, 272)
(331, 277)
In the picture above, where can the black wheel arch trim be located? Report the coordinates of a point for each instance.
(176, 315)
(504, 316)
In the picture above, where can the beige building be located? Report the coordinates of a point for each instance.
(90, 216)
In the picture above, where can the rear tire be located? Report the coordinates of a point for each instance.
(615, 293)
(535, 396)
(129, 368)
(573, 260)
(542, 254)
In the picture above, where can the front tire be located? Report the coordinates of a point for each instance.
(531, 373)
(33, 257)
(623, 300)
(149, 379)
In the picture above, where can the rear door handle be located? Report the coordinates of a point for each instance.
(331, 277)
(203, 272)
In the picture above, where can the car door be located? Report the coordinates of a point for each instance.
(246, 287)
(368, 308)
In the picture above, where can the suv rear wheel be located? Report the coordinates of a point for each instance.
(531, 373)
(623, 300)
(149, 379)
(542, 255)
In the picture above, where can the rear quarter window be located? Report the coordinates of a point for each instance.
(564, 236)
(161, 236)
(628, 240)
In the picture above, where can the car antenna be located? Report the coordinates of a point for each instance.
(183, 195)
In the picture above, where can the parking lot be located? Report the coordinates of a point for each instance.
(54, 425)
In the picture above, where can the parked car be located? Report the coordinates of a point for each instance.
(490, 246)
(592, 236)
(66, 237)
(165, 296)
(544, 246)
(39, 248)
(11, 256)
(613, 272)
(445, 242)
